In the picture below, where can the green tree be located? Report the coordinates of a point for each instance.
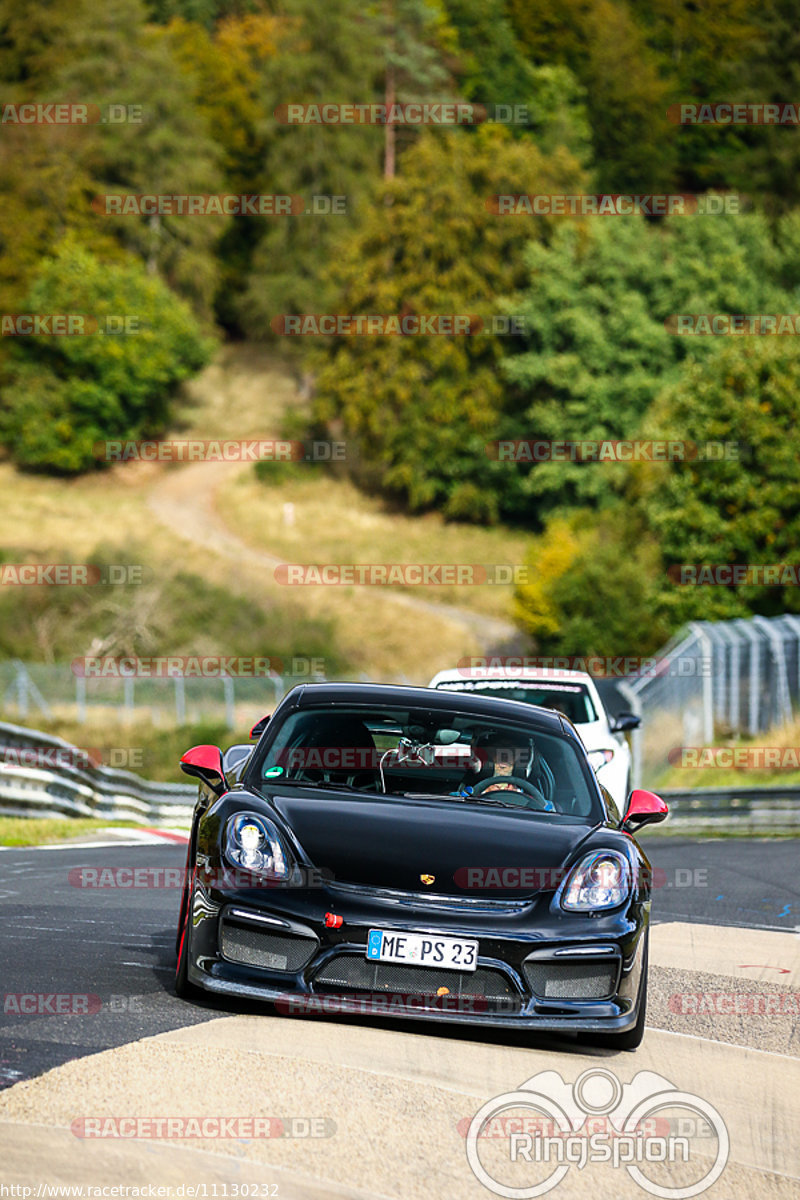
(225, 69)
(492, 69)
(413, 33)
(66, 393)
(594, 587)
(596, 350)
(626, 82)
(99, 57)
(739, 510)
(420, 410)
(330, 53)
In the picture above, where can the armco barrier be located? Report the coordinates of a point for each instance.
(75, 791)
(758, 811)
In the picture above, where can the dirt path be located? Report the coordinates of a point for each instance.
(184, 499)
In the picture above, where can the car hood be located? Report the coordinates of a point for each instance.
(391, 842)
(596, 735)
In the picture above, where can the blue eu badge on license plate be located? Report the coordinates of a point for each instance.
(374, 943)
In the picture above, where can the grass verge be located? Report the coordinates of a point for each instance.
(41, 831)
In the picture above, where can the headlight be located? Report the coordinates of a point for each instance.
(599, 758)
(601, 880)
(252, 842)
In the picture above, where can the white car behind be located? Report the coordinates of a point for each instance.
(572, 693)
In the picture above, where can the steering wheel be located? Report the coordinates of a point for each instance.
(520, 785)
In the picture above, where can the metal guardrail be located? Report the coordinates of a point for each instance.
(756, 810)
(44, 776)
(66, 790)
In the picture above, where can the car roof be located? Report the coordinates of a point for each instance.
(524, 674)
(307, 695)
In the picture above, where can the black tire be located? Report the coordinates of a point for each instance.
(183, 987)
(187, 879)
(631, 1039)
(182, 914)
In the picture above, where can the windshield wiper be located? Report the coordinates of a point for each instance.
(499, 803)
(428, 795)
(308, 783)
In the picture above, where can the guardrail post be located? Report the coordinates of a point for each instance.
(230, 710)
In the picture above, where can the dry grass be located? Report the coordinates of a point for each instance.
(336, 523)
(785, 737)
(380, 633)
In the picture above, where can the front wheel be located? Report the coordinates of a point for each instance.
(183, 987)
(631, 1039)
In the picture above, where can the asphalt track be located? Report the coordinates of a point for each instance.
(393, 1100)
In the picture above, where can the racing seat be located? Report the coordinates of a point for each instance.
(346, 749)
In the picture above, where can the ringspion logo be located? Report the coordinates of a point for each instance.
(598, 1119)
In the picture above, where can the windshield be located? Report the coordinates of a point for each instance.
(422, 753)
(571, 699)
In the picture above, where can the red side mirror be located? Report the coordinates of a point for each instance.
(206, 763)
(644, 808)
(259, 727)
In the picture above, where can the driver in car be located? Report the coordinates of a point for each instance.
(504, 761)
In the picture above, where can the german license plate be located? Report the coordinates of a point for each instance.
(422, 950)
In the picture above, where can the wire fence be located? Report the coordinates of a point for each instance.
(714, 679)
(53, 691)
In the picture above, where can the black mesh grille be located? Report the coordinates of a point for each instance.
(256, 948)
(353, 972)
(571, 980)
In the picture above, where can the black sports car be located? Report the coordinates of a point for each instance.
(418, 853)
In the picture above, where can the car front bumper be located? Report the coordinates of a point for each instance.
(536, 968)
